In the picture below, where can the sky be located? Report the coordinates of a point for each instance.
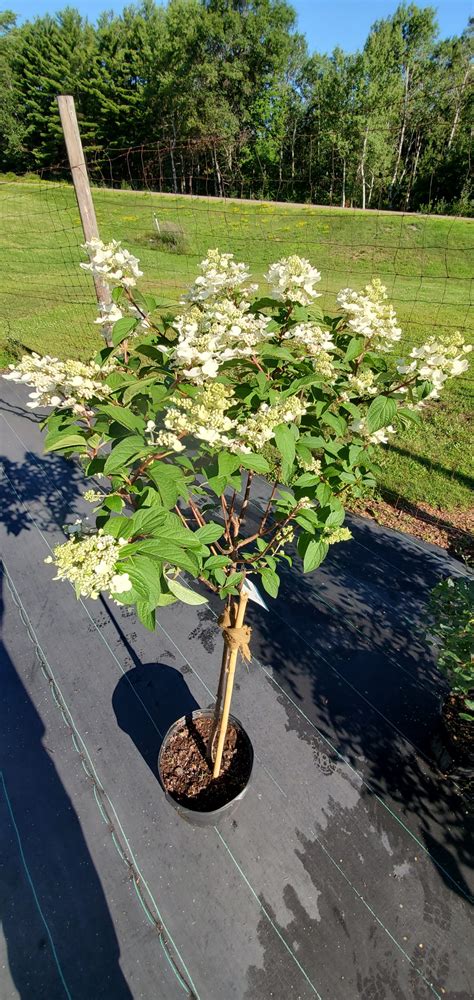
(326, 23)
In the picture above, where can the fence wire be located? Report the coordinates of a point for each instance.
(141, 197)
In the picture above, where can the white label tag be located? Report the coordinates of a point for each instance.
(254, 594)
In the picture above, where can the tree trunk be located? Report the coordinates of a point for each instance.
(362, 166)
(343, 203)
(457, 113)
(371, 188)
(220, 189)
(228, 665)
(331, 188)
(413, 173)
(404, 125)
(173, 169)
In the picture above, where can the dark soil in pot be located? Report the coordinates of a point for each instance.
(459, 734)
(187, 774)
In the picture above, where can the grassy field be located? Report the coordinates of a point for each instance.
(47, 302)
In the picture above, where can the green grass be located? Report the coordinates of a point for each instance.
(47, 302)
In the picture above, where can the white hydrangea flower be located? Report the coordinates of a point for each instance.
(311, 465)
(292, 279)
(217, 332)
(203, 416)
(62, 384)
(334, 535)
(376, 437)
(110, 313)
(93, 496)
(370, 315)
(89, 563)
(439, 359)
(362, 382)
(220, 275)
(260, 426)
(112, 263)
(314, 343)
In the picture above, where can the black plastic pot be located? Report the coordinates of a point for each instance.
(198, 817)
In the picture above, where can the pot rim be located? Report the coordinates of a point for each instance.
(204, 812)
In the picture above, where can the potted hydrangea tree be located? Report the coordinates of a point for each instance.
(179, 415)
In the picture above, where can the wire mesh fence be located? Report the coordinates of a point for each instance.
(142, 197)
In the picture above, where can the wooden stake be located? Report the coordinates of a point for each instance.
(80, 177)
(232, 659)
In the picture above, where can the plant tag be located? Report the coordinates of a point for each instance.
(254, 594)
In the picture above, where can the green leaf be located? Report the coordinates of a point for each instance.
(275, 351)
(209, 533)
(230, 584)
(285, 442)
(117, 527)
(314, 555)
(216, 562)
(337, 423)
(306, 479)
(323, 494)
(270, 580)
(145, 574)
(124, 453)
(184, 594)
(143, 385)
(147, 520)
(381, 412)
(146, 614)
(122, 328)
(264, 303)
(113, 502)
(255, 462)
(354, 348)
(411, 415)
(123, 416)
(161, 548)
(227, 463)
(170, 482)
(60, 440)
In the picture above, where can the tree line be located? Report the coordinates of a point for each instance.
(223, 97)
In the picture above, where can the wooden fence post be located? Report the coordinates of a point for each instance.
(80, 177)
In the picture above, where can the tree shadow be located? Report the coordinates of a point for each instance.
(53, 481)
(427, 463)
(148, 699)
(6, 406)
(382, 719)
(460, 539)
(53, 910)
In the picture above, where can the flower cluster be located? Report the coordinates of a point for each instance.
(89, 563)
(435, 361)
(110, 313)
(311, 465)
(162, 439)
(220, 275)
(203, 416)
(314, 343)
(334, 535)
(362, 383)
(219, 332)
(292, 279)
(376, 437)
(112, 263)
(62, 384)
(93, 496)
(370, 315)
(259, 427)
